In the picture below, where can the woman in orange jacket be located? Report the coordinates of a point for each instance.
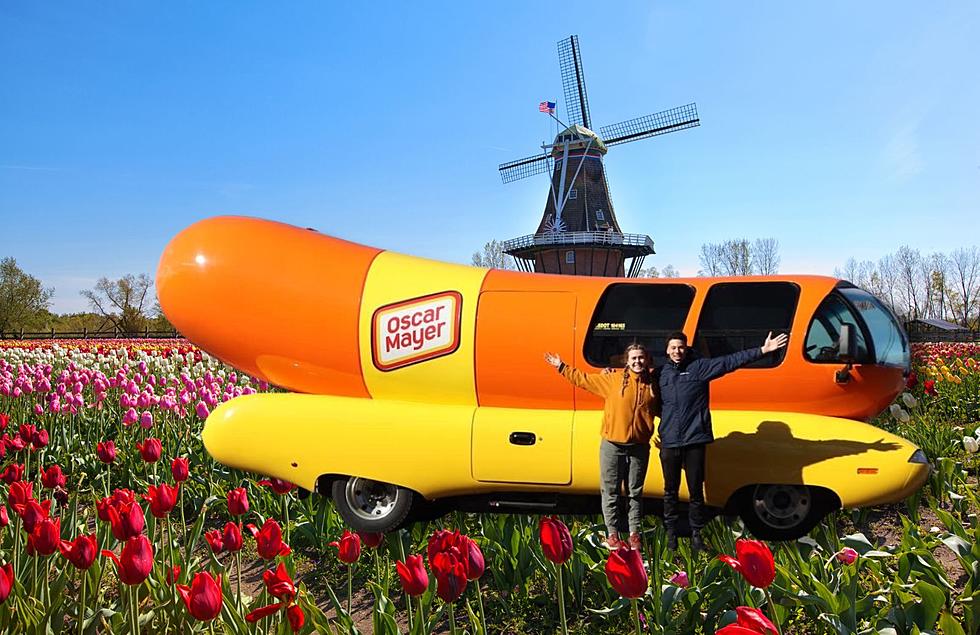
(631, 403)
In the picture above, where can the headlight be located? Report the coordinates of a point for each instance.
(919, 457)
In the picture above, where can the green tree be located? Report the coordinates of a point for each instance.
(121, 301)
(23, 300)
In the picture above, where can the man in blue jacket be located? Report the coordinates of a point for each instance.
(685, 423)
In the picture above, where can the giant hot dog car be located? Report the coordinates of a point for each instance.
(419, 386)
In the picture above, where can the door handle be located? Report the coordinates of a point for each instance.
(523, 438)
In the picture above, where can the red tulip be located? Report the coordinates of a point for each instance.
(162, 499)
(278, 485)
(370, 539)
(20, 492)
(556, 540)
(213, 538)
(625, 572)
(735, 629)
(929, 386)
(180, 467)
(296, 617)
(106, 451)
(27, 432)
(12, 473)
(61, 495)
(46, 537)
(755, 620)
(231, 539)
(203, 597)
(81, 552)
(415, 580)
(6, 581)
(911, 380)
(32, 512)
(127, 520)
(348, 548)
(4, 518)
(754, 561)
(150, 450)
(268, 540)
(237, 501)
(4, 420)
(472, 559)
(279, 584)
(136, 560)
(39, 439)
(173, 574)
(52, 477)
(450, 576)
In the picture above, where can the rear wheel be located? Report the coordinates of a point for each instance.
(371, 506)
(783, 512)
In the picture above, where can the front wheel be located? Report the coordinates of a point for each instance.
(371, 506)
(783, 512)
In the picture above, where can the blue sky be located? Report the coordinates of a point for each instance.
(839, 128)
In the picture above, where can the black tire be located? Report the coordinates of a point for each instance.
(371, 506)
(784, 512)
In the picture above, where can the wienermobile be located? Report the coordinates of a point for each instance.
(418, 387)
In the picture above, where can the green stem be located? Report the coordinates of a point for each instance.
(452, 618)
(479, 600)
(81, 607)
(772, 611)
(408, 598)
(350, 587)
(561, 601)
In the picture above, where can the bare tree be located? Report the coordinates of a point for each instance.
(121, 301)
(887, 272)
(736, 257)
(711, 260)
(851, 271)
(965, 278)
(23, 300)
(493, 257)
(669, 272)
(909, 265)
(765, 256)
(649, 272)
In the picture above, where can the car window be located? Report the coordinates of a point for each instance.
(823, 336)
(739, 315)
(642, 313)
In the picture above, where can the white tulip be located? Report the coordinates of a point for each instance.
(909, 400)
(894, 409)
(978, 433)
(970, 444)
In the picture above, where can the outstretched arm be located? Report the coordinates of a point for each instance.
(715, 367)
(594, 383)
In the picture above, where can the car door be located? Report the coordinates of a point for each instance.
(522, 429)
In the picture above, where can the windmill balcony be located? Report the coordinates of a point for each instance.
(637, 243)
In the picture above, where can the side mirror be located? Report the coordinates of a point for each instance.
(846, 352)
(847, 346)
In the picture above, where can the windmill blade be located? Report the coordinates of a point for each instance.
(652, 125)
(523, 168)
(573, 81)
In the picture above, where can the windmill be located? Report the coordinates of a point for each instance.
(578, 233)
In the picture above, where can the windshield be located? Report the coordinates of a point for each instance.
(824, 334)
(891, 347)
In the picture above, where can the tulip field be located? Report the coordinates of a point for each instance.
(114, 519)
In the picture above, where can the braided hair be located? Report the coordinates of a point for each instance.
(644, 374)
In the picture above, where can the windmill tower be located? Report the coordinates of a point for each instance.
(578, 233)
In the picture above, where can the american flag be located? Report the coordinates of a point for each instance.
(547, 106)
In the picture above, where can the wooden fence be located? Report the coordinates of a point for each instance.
(85, 334)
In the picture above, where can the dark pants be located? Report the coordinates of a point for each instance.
(691, 458)
(618, 463)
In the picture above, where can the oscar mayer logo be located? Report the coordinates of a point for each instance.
(416, 330)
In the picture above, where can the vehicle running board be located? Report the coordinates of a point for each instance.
(496, 504)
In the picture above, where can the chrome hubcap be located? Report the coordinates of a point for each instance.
(781, 506)
(370, 500)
